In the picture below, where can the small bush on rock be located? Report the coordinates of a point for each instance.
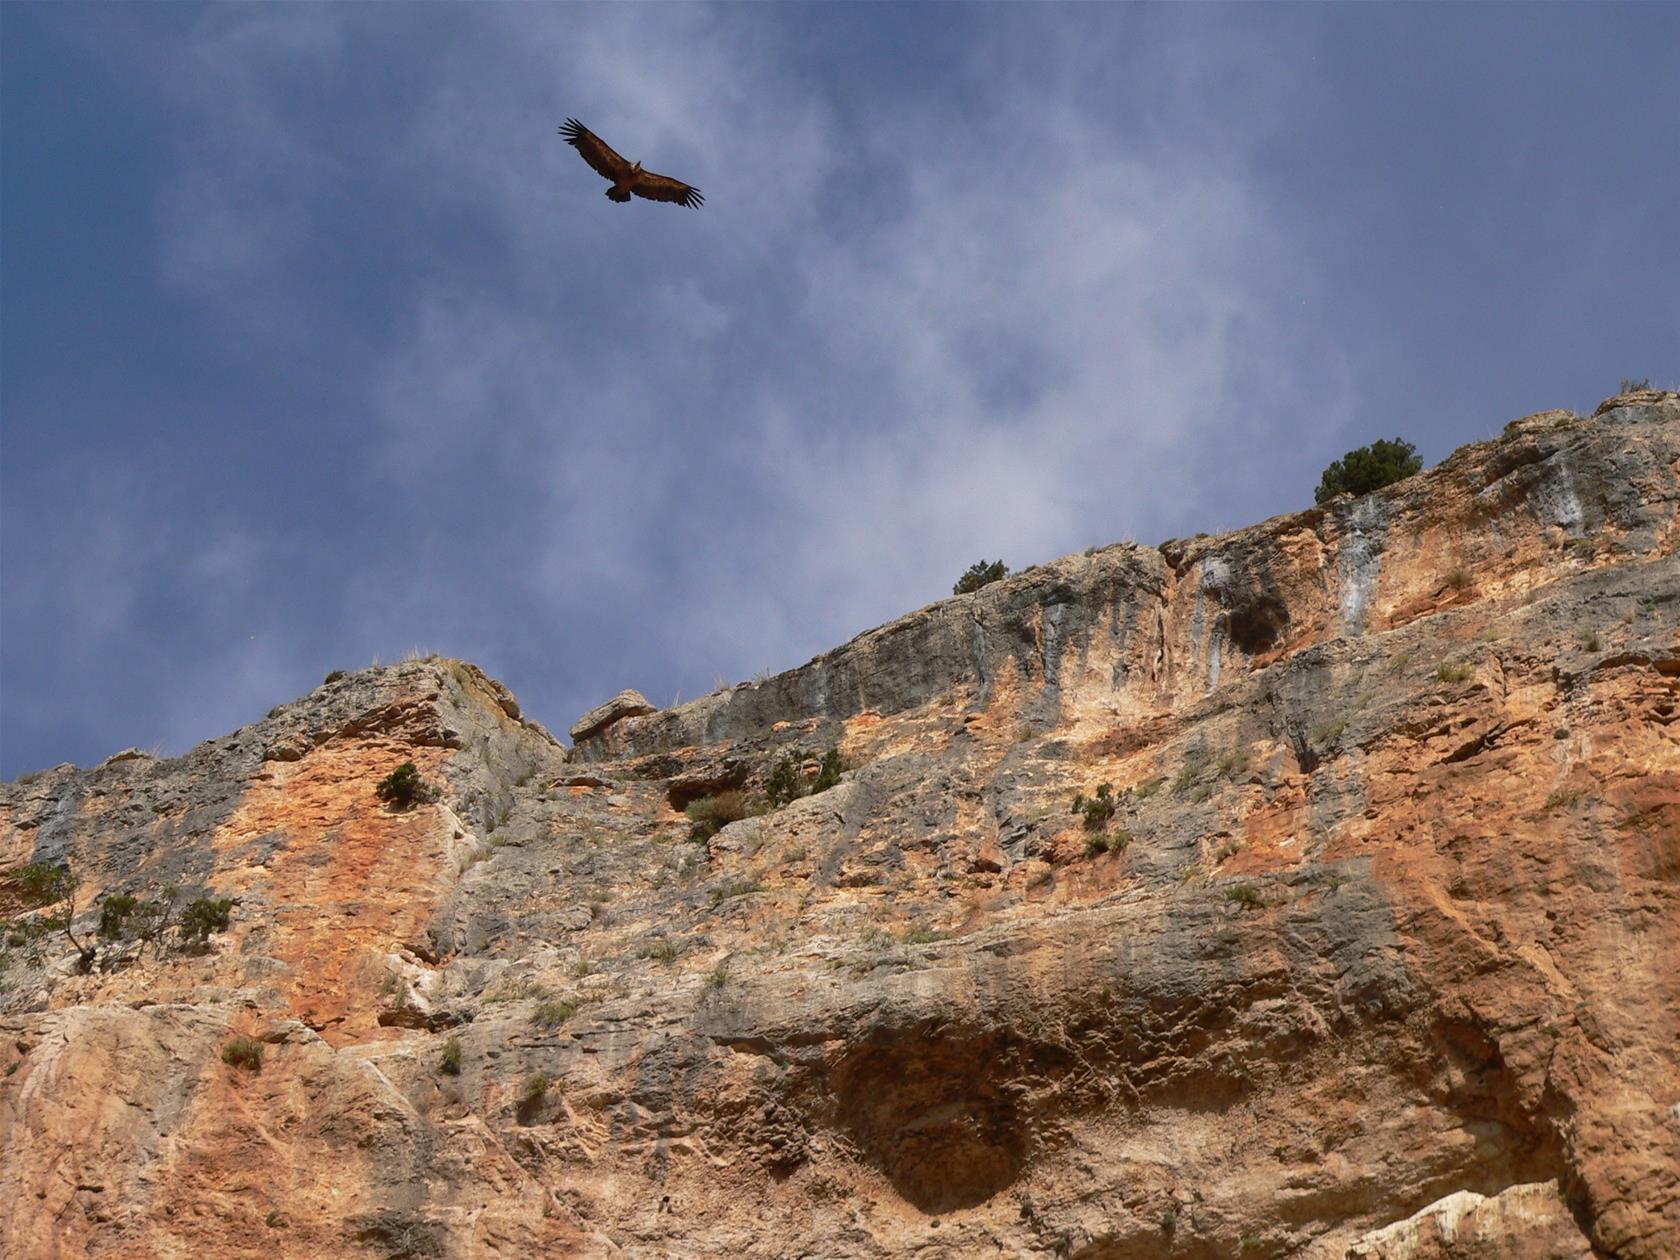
(204, 916)
(1098, 809)
(711, 814)
(785, 784)
(921, 934)
(114, 914)
(532, 1094)
(403, 788)
(828, 774)
(1368, 468)
(979, 574)
(1102, 842)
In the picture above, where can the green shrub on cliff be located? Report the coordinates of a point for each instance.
(1101, 842)
(42, 883)
(979, 574)
(115, 914)
(828, 774)
(1097, 809)
(204, 916)
(403, 788)
(786, 782)
(1368, 468)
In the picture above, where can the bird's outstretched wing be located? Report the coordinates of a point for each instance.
(595, 150)
(664, 188)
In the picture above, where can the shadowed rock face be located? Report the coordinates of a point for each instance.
(1375, 958)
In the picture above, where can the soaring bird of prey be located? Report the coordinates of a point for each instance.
(627, 177)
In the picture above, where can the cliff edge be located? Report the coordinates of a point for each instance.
(1361, 943)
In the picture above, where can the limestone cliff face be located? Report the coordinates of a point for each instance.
(1378, 956)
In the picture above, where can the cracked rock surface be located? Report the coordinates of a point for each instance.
(1375, 956)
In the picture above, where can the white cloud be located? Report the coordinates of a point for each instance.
(1048, 338)
(762, 425)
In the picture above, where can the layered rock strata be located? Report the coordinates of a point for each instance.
(1374, 956)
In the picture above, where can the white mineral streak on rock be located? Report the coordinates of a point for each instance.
(1361, 561)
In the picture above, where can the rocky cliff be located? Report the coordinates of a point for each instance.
(1365, 940)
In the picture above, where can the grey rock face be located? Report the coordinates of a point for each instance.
(627, 703)
(1188, 613)
(1376, 945)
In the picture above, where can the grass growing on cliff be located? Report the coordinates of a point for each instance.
(1327, 733)
(532, 1093)
(1196, 762)
(449, 1062)
(552, 1014)
(1115, 841)
(1245, 895)
(711, 814)
(1565, 798)
(920, 934)
(664, 951)
(243, 1052)
(1449, 673)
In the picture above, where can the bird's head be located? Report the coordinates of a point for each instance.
(637, 168)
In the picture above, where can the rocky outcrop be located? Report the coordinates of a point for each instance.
(1526, 1222)
(1373, 958)
(595, 724)
(1170, 624)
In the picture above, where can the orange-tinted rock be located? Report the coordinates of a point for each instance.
(1376, 957)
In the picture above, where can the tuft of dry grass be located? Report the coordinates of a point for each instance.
(243, 1052)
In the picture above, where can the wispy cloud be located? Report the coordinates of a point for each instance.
(766, 430)
(595, 446)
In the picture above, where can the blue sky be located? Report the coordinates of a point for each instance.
(318, 345)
